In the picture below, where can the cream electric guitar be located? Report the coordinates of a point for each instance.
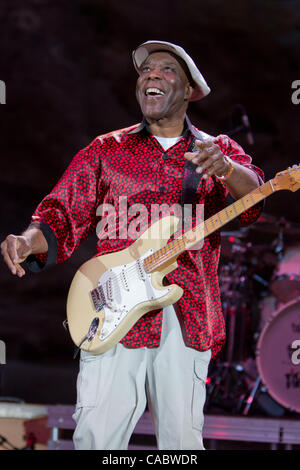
(109, 293)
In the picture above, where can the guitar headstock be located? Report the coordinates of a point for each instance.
(287, 179)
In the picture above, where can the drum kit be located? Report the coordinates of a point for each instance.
(259, 275)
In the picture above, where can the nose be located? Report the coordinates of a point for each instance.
(155, 73)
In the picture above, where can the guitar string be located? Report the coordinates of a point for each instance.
(161, 260)
(132, 269)
(165, 257)
(129, 272)
(157, 262)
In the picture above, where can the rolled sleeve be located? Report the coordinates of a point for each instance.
(67, 214)
(39, 262)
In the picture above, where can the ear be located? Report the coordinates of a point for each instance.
(188, 92)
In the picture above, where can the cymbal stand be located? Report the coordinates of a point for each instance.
(278, 243)
(251, 396)
(229, 378)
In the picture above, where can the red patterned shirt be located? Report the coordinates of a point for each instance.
(131, 162)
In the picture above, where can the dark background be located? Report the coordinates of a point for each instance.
(69, 77)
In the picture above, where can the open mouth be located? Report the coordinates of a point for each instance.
(154, 92)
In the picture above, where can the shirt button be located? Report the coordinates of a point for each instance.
(162, 189)
(165, 156)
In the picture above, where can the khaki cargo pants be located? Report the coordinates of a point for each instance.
(113, 389)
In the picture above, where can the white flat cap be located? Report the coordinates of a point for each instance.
(141, 53)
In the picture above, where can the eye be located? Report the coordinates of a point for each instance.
(169, 68)
(145, 69)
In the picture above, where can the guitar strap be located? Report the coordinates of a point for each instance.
(191, 180)
(190, 183)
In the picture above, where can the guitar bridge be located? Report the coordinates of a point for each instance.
(98, 298)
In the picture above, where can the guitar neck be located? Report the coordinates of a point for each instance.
(192, 237)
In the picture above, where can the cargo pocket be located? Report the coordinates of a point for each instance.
(199, 392)
(88, 380)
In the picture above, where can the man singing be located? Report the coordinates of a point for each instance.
(163, 359)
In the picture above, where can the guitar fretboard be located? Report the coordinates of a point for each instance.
(172, 250)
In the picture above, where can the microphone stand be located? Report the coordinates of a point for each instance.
(243, 128)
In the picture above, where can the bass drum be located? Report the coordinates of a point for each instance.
(278, 355)
(285, 283)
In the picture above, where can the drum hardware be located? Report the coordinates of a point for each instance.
(275, 227)
(266, 219)
(233, 241)
(277, 388)
(266, 404)
(251, 396)
(259, 279)
(278, 246)
(274, 355)
(285, 282)
(238, 280)
(247, 269)
(261, 400)
(227, 387)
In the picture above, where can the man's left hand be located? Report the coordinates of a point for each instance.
(210, 159)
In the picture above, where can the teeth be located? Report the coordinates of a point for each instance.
(154, 91)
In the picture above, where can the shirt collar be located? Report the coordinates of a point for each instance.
(188, 129)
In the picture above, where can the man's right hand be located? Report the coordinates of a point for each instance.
(15, 250)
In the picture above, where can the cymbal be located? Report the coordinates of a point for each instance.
(235, 234)
(233, 242)
(276, 226)
(266, 218)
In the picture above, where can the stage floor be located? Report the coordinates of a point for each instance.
(52, 426)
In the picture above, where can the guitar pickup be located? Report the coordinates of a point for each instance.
(98, 298)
